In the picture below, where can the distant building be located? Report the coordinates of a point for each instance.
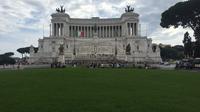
(95, 40)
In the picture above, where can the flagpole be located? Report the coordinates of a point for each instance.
(74, 47)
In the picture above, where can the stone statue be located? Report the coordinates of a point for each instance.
(61, 50)
(129, 9)
(128, 49)
(61, 9)
(154, 47)
(57, 9)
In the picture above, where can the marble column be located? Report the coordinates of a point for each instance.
(128, 29)
(135, 27)
(105, 31)
(116, 31)
(109, 29)
(57, 30)
(90, 31)
(62, 29)
(79, 28)
(98, 31)
(69, 31)
(73, 31)
(65, 29)
(88, 27)
(60, 24)
(86, 31)
(53, 29)
(113, 31)
(103, 35)
(131, 29)
(120, 31)
(82, 30)
(101, 31)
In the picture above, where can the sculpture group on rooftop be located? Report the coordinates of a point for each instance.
(61, 9)
(129, 9)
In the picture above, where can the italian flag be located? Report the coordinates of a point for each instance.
(78, 34)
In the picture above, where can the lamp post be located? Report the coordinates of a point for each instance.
(115, 46)
(74, 51)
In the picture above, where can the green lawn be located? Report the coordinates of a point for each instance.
(99, 90)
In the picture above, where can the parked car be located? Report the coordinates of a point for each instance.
(185, 64)
(196, 63)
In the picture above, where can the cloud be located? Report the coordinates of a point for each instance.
(22, 21)
(170, 36)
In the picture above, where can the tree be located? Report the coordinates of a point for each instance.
(185, 14)
(25, 50)
(175, 52)
(188, 51)
(9, 54)
(7, 59)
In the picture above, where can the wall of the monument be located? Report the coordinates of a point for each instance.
(95, 38)
(85, 49)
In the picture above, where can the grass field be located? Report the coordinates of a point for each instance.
(99, 90)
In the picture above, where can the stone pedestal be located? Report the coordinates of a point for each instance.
(61, 59)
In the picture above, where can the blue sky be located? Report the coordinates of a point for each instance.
(22, 21)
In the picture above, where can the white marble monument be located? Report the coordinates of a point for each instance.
(96, 39)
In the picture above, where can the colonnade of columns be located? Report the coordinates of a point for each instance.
(107, 31)
(101, 31)
(132, 29)
(58, 29)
